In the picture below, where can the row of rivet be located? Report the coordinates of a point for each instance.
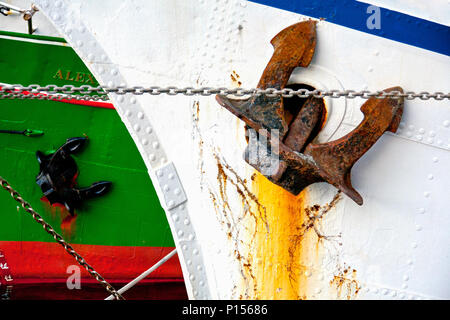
(184, 234)
(364, 288)
(139, 125)
(221, 45)
(221, 35)
(418, 227)
(408, 131)
(422, 136)
(171, 186)
(190, 250)
(419, 135)
(143, 130)
(370, 289)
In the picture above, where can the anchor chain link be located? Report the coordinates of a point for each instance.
(59, 239)
(53, 92)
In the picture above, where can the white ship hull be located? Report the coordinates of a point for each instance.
(238, 235)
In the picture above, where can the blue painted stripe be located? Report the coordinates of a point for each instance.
(353, 14)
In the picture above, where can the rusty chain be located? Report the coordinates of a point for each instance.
(37, 217)
(53, 92)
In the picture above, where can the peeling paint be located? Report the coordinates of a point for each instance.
(346, 285)
(227, 181)
(235, 79)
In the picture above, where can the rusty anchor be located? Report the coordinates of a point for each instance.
(57, 176)
(301, 162)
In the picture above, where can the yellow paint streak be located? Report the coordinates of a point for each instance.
(282, 248)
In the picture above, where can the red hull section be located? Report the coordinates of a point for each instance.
(39, 269)
(92, 290)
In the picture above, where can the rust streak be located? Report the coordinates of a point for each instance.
(346, 284)
(231, 221)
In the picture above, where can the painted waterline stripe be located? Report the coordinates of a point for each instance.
(46, 260)
(52, 43)
(31, 36)
(89, 103)
(395, 25)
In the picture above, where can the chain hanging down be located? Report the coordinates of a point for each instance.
(53, 92)
(37, 217)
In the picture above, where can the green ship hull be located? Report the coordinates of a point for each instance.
(121, 233)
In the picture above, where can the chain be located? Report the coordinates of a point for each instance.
(53, 92)
(16, 196)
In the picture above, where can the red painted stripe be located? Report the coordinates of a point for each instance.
(88, 103)
(97, 104)
(46, 260)
(6, 278)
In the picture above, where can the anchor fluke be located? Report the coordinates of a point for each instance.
(300, 162)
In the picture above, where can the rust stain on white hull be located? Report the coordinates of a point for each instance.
(274, 237)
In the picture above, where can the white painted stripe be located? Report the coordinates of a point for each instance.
(55, 43)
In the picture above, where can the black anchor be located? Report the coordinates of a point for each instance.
(58, 172)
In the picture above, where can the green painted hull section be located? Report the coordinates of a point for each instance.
(129, 215)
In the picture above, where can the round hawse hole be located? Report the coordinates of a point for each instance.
(293, 105)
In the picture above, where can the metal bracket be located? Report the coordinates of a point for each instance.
(171, 186)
